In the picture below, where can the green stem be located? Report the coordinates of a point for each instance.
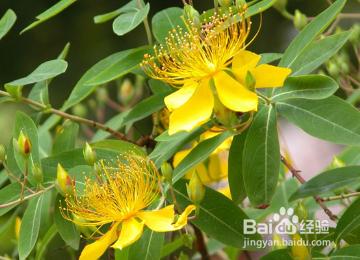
(50, 234)
(146, 25)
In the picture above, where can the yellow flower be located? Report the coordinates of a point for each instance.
(213, 172)
(198, 60)
(119, 196)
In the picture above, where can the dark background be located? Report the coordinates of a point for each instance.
(21, 54)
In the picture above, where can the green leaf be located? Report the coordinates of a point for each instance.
(6, 22)
(65, 138)
(331, 119)
(128, 21)
(328, 181)
(269, 57)
(131, 6)
(49, 13)
(346, 253)
(115, 122)
(66, 229)
(218, 216)
(350, 155)
(145, 108)
(261, 157)
(281, 254)
(158, 86)
(30, 226)
(166, 20)
(199, 154)
(44, 71)
(164, 150)
(148, 247)
(318, 52)
(349, 221)
(235, 170)
(308, 87)
(8, 194)
(309, 33)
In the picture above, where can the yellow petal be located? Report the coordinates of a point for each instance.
(131, 231)
(270, 76)
(225, 191)
(95, 250)
(181, 96)
(233, 95)
(196, 111)
(243, 62)
(162, 220)
(217, 166)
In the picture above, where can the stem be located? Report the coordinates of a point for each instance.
(319, 200)
(341, 196)
(146, 25)
(200, 243)
(23, 184)
(15, 202)
(11, 175)
(78, 119)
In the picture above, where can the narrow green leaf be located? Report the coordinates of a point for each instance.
(66, 229)
(235, 170)
(65, 138)
(44, 71)
(349, 221)
(128, 21)
(269, 57)
(331, 119)
(166, 20)
(328, 181)
(131, 6)
(199, 154)
(309, 33)
(218, 216)
(318, 52)
(281, 254)
(261, 157)
(350, 155)
(148, 247)
(8, 194)
(308, 87)
(6, 22)
(115, 122)
(346, 253)
(49, 13)
(30, 226)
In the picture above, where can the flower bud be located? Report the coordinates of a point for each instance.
(280, 5)
(301, 211)
(24, 144)
(102, 95)
(192, 14)
(63, 181)
(225, 3)
(195, 189)
(89, 154)
(355, 34)
(2, 153)
(17, 227)
(126, 91)
(298, 250)
(79, 110)
(300, 20)
(333, 69)
(38, 174)
(167, 171)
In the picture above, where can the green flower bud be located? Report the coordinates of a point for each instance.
(355, 34)
(126, 91)
(167, 171)
(63, 183)
(102, 95)
(192, 15)
(301, 211)
(79, 110)
(195, 189)
(333, 69)
(280, 5)
(89, 154)
(24, 144)
(38, 174)
(2, 153)
(225, 3)
(300, 20)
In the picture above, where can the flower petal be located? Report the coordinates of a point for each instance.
(243, 62)
(234, 95)
(270, 76)
(196, 111)
(162, 220)
(131, 231)
(96, 249)
(181, 96)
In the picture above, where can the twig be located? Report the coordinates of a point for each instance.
(319, 200)
(85, 121)
(200, 243)
(15, 202)
(11, 175)
(341, 196)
